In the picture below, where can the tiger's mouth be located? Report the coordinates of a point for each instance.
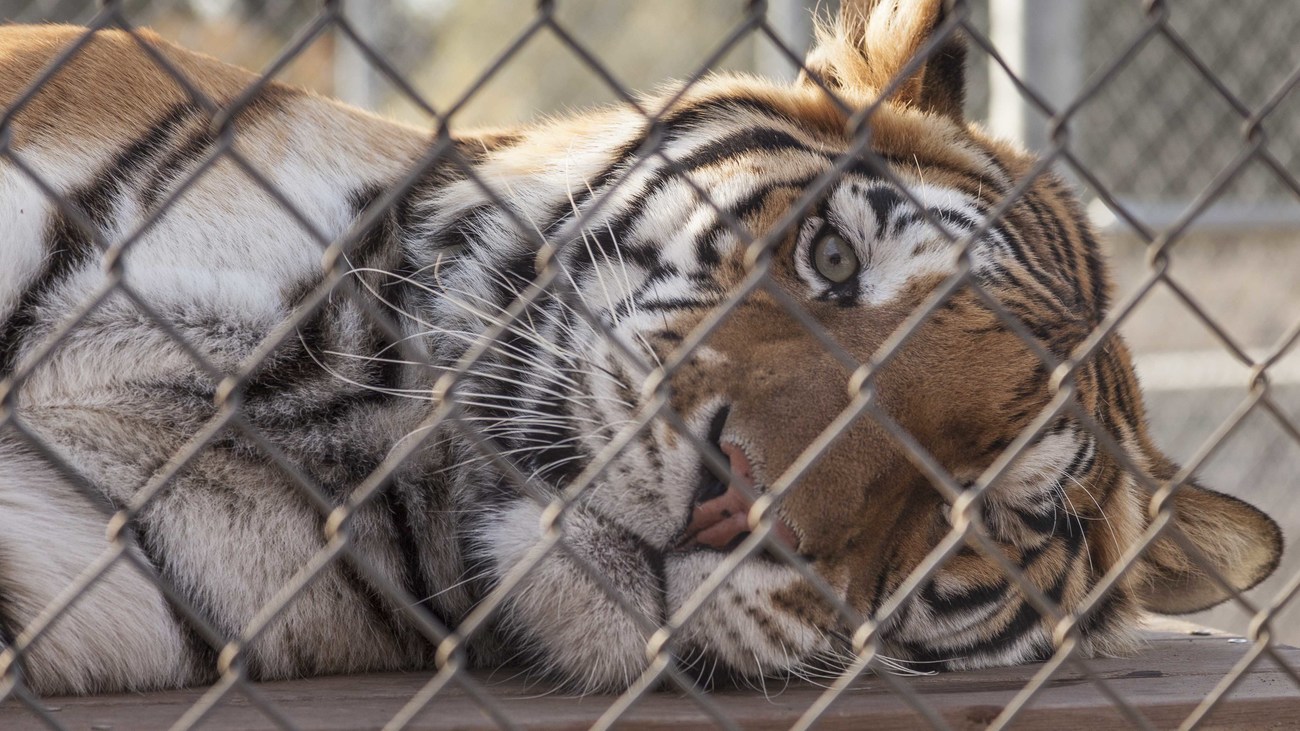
(720, 517)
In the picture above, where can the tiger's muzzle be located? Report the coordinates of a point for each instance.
(720, 519)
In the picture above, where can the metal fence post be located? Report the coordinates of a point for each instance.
(794, 18)
(356, 81)
(1042, 42)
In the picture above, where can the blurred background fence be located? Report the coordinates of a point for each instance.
(1156, 136)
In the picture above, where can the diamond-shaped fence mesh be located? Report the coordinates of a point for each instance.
(420, 454)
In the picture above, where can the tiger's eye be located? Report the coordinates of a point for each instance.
(834, 258)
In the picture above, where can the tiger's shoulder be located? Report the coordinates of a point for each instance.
(67, 81)
(63, 83)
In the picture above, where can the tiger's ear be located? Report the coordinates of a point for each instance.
(1242, 543)
(873, 40)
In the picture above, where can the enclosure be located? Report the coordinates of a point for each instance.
(1178, 122)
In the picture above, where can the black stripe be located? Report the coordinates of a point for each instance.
(1047, 312)
(151, 143)
(742, 142)
(671, 127)
(389, 616)
(1051, 239)
(734, 145)
(515, 349)
(1096, 269)
(171, 167)
(883, 200)
(137, 154)
(867, 165)
(296, 365)
(684, 119)
(9, 622)
(581, 258)
(1127, 398)
(398, 504)
(1104, 614)
(269, 100)
(954, 219)
(440, 173)
(1103, 364)
(1025, 619)
(461, 233)
(202, 656)
(567, 209)
(676, 304)
(1043, 521)
(1081, 457)
(706, 245)
(293, 363)
(881, 588)
(69, 249)
(965, 600)
(380, 248)
(557, 461)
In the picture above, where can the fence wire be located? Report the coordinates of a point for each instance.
(1253, 115)
(1182, 152)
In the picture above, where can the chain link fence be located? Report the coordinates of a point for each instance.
(1153, 51)
(1181, 124)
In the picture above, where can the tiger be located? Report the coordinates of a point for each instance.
(759, 376)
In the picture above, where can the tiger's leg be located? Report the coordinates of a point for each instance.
(228, 534)
(574, 625)
(120, 633)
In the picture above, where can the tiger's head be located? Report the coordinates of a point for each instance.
(767, 319)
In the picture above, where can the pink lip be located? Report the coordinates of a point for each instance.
(718, 522)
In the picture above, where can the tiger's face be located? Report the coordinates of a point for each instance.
(765, 288)
(858, 259)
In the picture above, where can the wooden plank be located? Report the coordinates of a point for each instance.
(1166, 682)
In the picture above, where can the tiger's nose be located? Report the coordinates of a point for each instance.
(721, 521)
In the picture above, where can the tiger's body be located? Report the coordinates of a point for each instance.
(222, 261)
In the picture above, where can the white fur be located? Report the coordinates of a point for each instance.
(117, 634)
(587, 636)
(24, 212)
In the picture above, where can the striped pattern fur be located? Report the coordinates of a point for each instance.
(219, 258)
